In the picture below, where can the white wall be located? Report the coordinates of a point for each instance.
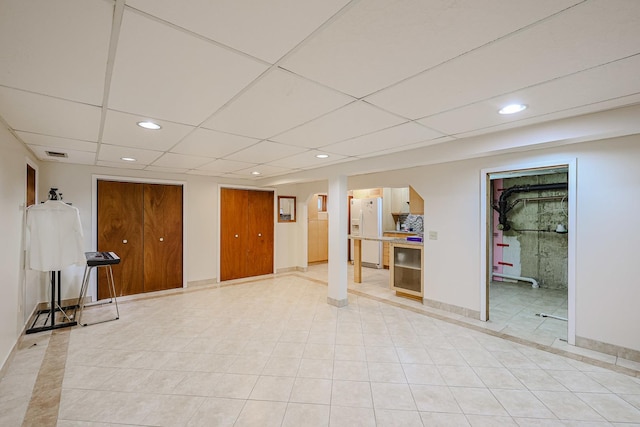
(14, 303)
(607, 228)
(607, 231)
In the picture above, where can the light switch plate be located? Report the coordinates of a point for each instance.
(433, 235)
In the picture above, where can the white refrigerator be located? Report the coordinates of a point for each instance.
(366, 221)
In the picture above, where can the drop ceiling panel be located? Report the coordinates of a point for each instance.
(279, 101)
(224, 166)
(542, 53)
(355, 119)
(166, 73)
(617, 103)
(209, 143)
(173, 160)
(114, 153)
(577, 90)
(265, 152)
(122, 129)
(307, 160)
(121, 165)
(166, 169)
(73, 156)
(393, 138)
(52, 52)
(59, 143)
(265, 171)
(266, 30)
(34, 113)
(378, 42)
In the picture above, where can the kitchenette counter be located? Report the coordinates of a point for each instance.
(357, 248)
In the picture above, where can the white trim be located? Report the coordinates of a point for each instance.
(571, 164)
(275, 220)
(93, 291)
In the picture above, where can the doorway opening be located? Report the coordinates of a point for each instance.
(317, 229)
(529, 282)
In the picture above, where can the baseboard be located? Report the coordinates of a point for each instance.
(203, 282)
(611, 349)
(462, 311)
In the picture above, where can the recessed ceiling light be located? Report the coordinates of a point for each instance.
(322, 156)
(255, 173)
(149, 125)
(128, 159)
(512, 109)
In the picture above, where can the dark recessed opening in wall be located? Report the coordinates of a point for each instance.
(528, 253)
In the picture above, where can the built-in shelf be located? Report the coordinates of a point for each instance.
(406, 269)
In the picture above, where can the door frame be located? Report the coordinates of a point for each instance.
(92, 290)
(485, 233)
(275, 216)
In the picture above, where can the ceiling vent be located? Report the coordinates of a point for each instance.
(56, 154)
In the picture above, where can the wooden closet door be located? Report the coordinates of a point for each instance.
(233, 233)
(260, 233)
(120, 230)
(162, 237)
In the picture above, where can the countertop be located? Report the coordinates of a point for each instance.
(387, 239)
(400, 232)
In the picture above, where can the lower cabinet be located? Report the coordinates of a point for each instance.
(385, 245)
(406, 269)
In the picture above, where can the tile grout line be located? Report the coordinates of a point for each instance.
(45, 399)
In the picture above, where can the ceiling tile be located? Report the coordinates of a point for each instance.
(265, 152)
(53, 53)
(173, 160)
(307, 160)
(355, 119)
(166, 73)
(266, 30)
(122, 129)
(114, 153)
(209, 143)
(265, 171)
(557, 95)
(379, 42)
(61, 143)
(277, 102)
(223, 166)
(393, 138)
(50, 116)
(121, 165)
(166, 169)
(542, 53)
(73, 156)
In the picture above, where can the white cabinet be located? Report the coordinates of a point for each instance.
(406, 269)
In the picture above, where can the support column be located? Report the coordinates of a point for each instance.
(337, 210)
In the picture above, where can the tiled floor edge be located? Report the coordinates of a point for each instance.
(45, 400)
(517, 340)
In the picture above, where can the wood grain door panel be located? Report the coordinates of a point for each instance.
(120, 230)
(260, 233)
(162, 237)
(233, 235)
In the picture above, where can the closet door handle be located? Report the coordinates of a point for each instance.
(259, 234)
(236, 236)
(125, 241)
(162, 239)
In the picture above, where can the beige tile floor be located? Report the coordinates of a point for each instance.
(272, 352)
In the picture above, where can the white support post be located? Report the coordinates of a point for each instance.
(337, 210)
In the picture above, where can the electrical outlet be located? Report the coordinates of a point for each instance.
(433, 235)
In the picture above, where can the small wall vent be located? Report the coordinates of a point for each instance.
(56, 154)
